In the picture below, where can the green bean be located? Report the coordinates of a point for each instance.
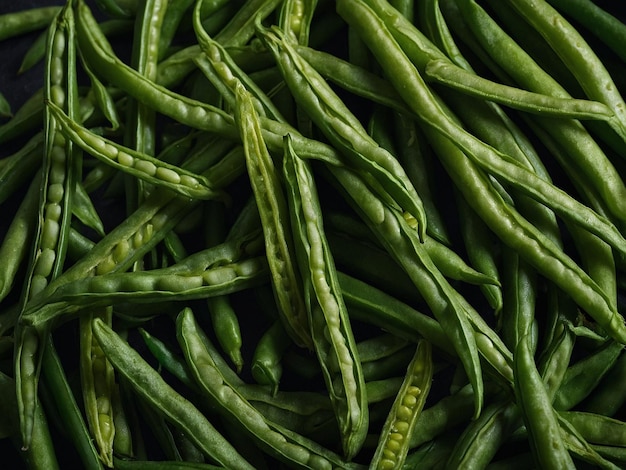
(60, 165)
(353, 78)
(430, 111)
(539, 417)
(393, 444)
(598, 21)
(267, 190)
(42, 453)
(328, 317)
(84, 210)
(21, 166)
(54, 377)
(443, 72)
(556, 357)
(240, 28)
(27, 118)
(482, 439)
(609, 395)
(570, 134)
(578, 446)
(102, 97)
(443, 416)
(27, 20)
(17, 239)
(479, 243)
(135, 163)
(148, 384)
(597, 429)
(207, 273)
(173, 17)
(98, 381)
(167, 358)
(194, 113)
(417, 158)
(285, 445)
(577, 55)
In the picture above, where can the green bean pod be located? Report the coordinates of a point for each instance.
(285, 445)
(331, 329)
(268, 192)
(266, 366)
(20, 167)
(27, 118)
(177, 282)
(148, 383)
(27, 20)
(577, 55)
(451, 75)
(98, 381)
(16, 241)
(482, 439)
(135, 163)
(539, 417)
(393, 445)
(60, 165)
(584, 151)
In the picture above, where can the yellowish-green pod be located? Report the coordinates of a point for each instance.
(331, 329)
(98, 383)
(393, 444)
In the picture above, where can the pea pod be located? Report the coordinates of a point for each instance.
(393, 444)
(268, 193)
(331, 329)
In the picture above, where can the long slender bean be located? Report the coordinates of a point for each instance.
(148, 383)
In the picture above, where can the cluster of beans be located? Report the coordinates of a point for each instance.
(314, 234)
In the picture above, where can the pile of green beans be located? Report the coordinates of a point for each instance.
(316, 234)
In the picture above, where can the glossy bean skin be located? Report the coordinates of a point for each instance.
(456, 77)
(147, 382)
(59, 170)
(98, 382)
(580, 59)
(570, 134)
(14, 249)
(136, 163)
